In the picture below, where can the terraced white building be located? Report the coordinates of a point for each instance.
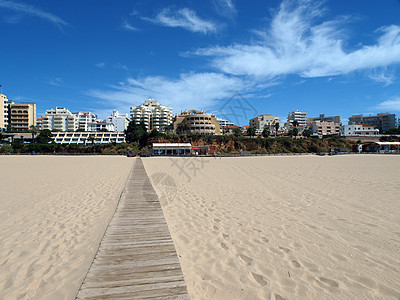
(152, 114)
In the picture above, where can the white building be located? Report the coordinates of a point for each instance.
(59, 119)
(300, 117)
(88, 138)
(152, 114)
(120, 121)
(84, 118)
(224, 123)
(100, 126)
(358, 130)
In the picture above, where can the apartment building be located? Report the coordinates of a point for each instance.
(101, 126)
(224, 123)
(59, 119)
(84, 118)
(322, 118)
(4, 107)
(262, 121)
(300, 117)
(322, 128)
(152, 114)
(119, 120)
(383, 121)
(21, 116)
(197, 122)
(88, 138)
(358, 129)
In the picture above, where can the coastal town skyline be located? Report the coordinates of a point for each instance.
(342, 60)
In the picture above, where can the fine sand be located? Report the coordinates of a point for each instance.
(295, 227)
(53, 214)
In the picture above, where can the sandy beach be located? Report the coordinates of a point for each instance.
(296, 227)
(53, 214)
(290, 227)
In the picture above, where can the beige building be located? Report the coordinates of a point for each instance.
(22, 116)
(262, 121)
(152, 114)
(322, 128)
(4, 103)
(197, 122)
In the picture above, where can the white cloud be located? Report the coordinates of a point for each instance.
(295, 43)
(225, 8)
(189, 91)
(33, 11)
(100, 65)
(127, 26)
(184, 18)
(55, 81)
(389, 105)
(387, 79)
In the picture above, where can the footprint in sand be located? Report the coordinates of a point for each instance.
(217, 220)
(329, 282)
(286, 250)
(225, 236)
(259, 279)
(224, 246)
(263, 239)
(247, 260)
(278, 297)
(295, 263)
(215, 227)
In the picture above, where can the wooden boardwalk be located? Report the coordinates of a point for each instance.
(136, 258)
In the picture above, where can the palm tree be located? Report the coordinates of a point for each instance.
(34, 131)
(295, 123)
(266, 132)
(251, 131)
(277, 125)
(182, 127)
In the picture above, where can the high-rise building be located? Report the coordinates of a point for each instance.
(382, 121)
(59, 119)
(152, 114)
(22, 116)
(4, 106)
(84, 118)
(197, 122)
(262, 121)
(300, 117)
(120, 121)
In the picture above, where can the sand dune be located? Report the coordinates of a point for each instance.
(302, 227)
(53, 213)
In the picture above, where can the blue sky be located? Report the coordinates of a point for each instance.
(334, 57)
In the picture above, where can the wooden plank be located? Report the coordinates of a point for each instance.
(136, 258)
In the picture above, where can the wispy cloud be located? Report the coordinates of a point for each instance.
(225, 8)
(389, 105)
(296, 43)
(184, 18)
(55, 81)
(127, 26)
(383, 77)
(100, 65)
(28, 9)
(189, 91)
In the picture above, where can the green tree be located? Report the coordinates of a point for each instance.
(135, 132)
(237, 132)
(251, 131)
(182, 127)
(295, 123)
(266, 132)
(33, 130)
(295, 131)
(277, 125)
(45, 136)
(307, 133)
